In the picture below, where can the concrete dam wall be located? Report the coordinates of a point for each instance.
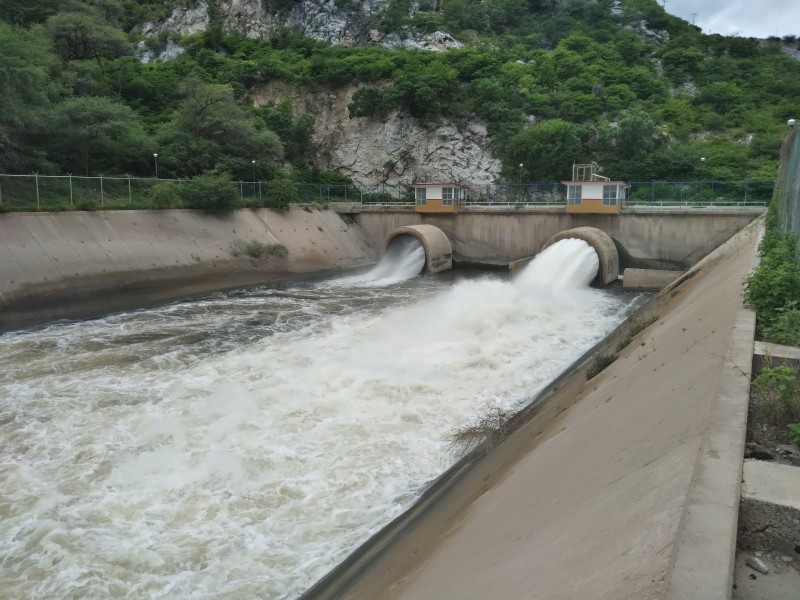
(79, 264)
(663, 240)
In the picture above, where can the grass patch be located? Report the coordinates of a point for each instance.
(776, 395)
(598, 364)
(256, 250)
(483, 434)
(635, 328)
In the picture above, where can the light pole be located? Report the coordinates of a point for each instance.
(520, 173)
(252, 162)
(702, 167)
(155, 160)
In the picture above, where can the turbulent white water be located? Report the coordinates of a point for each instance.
(403, 259)
(243, 445)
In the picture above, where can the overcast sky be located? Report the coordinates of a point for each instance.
(745, 18)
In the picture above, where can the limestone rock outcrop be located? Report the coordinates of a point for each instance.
(348, 23)
(393, 151)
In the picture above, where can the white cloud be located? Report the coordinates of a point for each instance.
(739, 17)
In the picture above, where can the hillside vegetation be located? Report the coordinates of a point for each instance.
(623, 83)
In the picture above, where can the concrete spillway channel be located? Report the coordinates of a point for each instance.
(608, 488)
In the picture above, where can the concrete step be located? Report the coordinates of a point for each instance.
(769, 514)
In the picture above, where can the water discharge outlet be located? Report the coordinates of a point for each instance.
(438, 249)
(602, 244)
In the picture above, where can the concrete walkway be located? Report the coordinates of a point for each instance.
(630, 491)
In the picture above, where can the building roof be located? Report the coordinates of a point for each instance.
(446, 183)
(604, 182)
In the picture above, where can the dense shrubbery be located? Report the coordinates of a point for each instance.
(165, 194)
(212, 191)
(76, 99)
(773, 288)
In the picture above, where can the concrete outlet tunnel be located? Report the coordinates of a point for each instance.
(602, 244)
(438, 250)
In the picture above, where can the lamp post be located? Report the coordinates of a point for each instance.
(155, 160)
(520, 173)
(252, 162)
(702, 167)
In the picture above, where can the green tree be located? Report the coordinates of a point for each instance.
(210, 130)
(27, 12)
(547, 151)
(93, 135)
(368, 101)
(27, 83)
(720, 96)
(82, 36)
(425, 92)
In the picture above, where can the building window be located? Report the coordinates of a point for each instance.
(447, 196)
(610, 195)
(574, 194)
(420, 195)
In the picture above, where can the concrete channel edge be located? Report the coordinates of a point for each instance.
(703, 559)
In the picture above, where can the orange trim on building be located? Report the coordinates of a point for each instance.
(594, 206)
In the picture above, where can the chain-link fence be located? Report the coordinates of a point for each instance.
(788, 187)
(323, 193)
(699, 193)
(47, 192)
(20, 192)
(520, 194)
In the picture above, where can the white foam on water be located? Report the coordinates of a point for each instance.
(403, 260)
(141, 459)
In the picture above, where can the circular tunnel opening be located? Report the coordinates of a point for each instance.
(403, 258)
(603, 246)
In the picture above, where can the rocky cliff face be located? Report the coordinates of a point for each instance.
(397, 150)
(348, 23)
(394, 151)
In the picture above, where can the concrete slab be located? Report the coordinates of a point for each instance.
(648, 279)
(765, 348)
(772, 482)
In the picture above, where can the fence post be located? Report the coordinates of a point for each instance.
(745, 191)
(37, 189)
(102, 198)
(130, 199)
(70, 189)
(241, 189)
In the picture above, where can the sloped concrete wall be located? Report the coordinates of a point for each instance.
(77, 264)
